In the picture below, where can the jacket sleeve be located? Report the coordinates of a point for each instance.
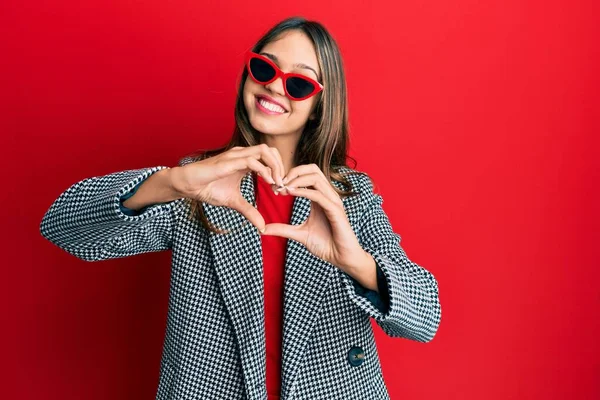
(89, 221)
(414, 310)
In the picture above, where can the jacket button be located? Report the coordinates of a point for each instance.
(356, 356)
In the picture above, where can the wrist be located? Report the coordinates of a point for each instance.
(171, 178)
(363, 268)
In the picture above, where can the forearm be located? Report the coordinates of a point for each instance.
(157, 188)
(364, 270)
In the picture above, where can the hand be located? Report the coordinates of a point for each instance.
(326, 233)
(216, 180)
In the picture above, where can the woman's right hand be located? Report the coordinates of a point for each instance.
(216, 180)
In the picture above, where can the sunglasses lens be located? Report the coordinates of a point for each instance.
(298, 87)
(261, 70)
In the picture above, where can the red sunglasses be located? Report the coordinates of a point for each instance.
(263, 70)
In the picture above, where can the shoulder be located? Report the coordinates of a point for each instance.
(363, 185)
(361, 182)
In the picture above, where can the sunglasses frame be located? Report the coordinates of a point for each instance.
(284, 76)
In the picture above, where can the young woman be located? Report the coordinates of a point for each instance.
(280, 306)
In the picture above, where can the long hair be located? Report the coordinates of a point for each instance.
(324, 140)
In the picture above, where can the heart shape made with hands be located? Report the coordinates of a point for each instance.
(327, 232)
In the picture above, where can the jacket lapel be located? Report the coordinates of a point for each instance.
(238, 263)
(307, 279)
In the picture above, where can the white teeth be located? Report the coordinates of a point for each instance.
(270, 106)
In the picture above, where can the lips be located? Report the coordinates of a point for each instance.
(271, 100)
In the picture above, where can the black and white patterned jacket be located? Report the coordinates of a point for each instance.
(214, 345)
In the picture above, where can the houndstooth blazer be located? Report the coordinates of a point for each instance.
(214, 346)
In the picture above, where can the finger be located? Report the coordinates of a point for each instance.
(293, 173)
(260, 152)
(318, 182)
(247, 163)
(281, 190)
(261, 169)
(281, 171)
(242, 206)
(301, 170)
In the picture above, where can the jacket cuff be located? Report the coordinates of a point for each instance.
(379, 299)
(131, 211)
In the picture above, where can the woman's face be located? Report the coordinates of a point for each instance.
(293, 47)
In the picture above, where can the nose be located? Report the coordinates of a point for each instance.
(276, 86)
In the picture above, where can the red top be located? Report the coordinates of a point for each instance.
(273, 208)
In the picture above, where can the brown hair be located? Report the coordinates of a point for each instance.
(324, 140)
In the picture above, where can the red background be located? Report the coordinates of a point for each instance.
(477, 120)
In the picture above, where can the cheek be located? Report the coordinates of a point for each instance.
(302, 108)
(248, 94)
(247, 89)
(250, 87)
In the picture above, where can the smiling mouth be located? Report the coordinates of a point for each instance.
(269, 108)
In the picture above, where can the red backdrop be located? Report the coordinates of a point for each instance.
(477, 120)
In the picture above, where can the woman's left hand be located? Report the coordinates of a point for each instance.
(326, 233)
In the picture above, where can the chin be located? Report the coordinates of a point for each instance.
(263, 126)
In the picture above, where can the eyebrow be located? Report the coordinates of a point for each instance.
(300, 65)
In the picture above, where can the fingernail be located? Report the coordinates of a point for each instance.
(290, 188)
(263, 230)
(285, 180)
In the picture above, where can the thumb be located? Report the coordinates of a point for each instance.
(251, 213)
(287, 231)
